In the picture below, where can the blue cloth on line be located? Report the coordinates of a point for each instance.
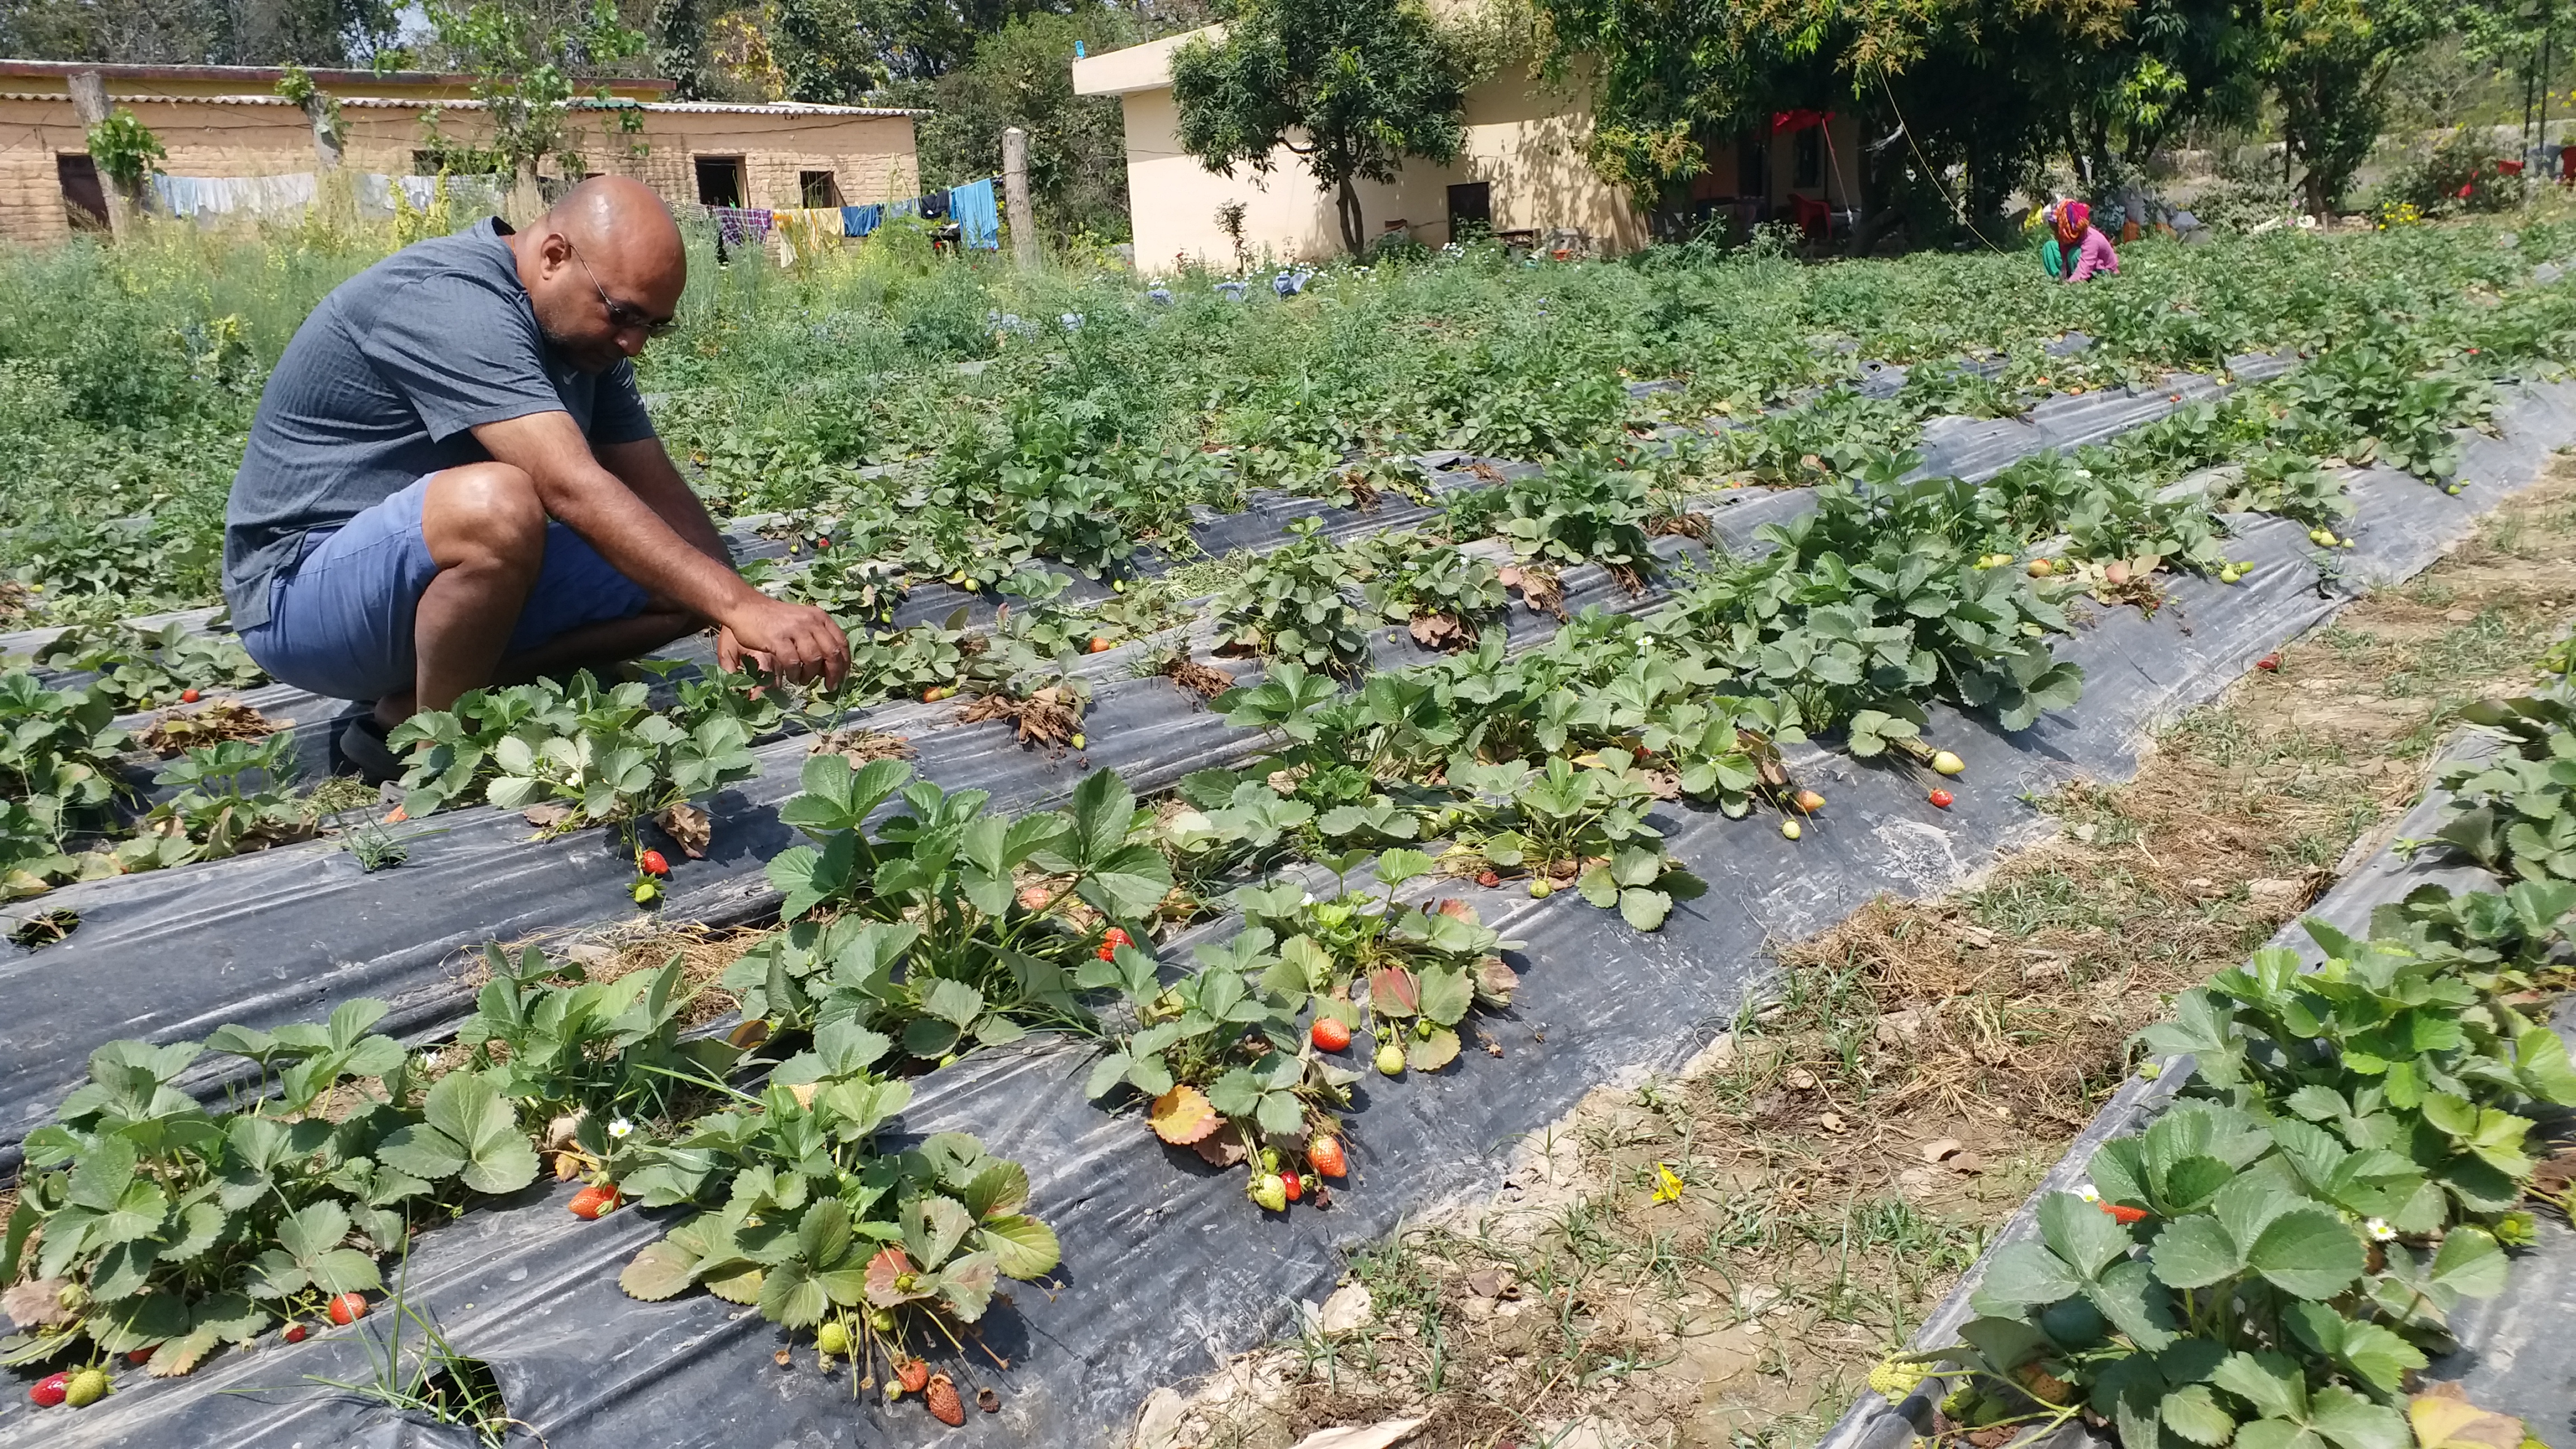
(979, 221)
(860, 220)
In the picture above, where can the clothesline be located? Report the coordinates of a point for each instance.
(200, 197)
(974, 207)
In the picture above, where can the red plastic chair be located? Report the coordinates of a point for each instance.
(1813, 217)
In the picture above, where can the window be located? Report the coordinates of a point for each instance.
(819, 188)
(1471, 210)
(1811, 156)
(719, 180)
(84, 199)
(1753, 167)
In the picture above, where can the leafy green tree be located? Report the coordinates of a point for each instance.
(2330, 63)
(528, 64)
(1366, 83)
(825, 50)
(1024, 77)
(229, 32)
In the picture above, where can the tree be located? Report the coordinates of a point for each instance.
(1365, 83)
(2329, 64)
(528, 62)
(225, 32)
(1024, 77)
(824, 51)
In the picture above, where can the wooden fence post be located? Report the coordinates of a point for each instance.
(89, 103)
(1015, 196)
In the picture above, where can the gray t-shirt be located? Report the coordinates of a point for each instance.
(380, 387)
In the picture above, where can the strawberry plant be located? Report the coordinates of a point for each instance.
(2276, 1254)
(231, 797)
(1444, 595)
(588, 756)
(1217, 1057)
(803, 1217)
(950, 928)
(1296, 605)
(2518, 810)
(1581, 509)
(140, 668)
(142, 1219)
(58, 779)
(1407, 974)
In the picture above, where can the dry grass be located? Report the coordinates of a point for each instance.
(704, 953)
(1843, 1154)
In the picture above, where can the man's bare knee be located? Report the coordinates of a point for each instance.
(484, 515)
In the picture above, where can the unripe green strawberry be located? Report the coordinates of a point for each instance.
(833, 1338)
(1541, 889)
(881, 1319)
(1271, 1191)
(1390, 1059)
(86, 1388)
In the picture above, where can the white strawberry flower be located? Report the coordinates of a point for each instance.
(428, 1062)
(2088, 1192)
(2379, 1230)
(619, 1127)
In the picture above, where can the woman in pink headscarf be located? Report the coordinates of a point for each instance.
(2090, 249)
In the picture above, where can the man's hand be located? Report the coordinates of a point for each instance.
(794, 642)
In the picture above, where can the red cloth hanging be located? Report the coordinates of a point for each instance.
(1797, 120)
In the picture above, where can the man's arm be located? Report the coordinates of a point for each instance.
(647, 471)
(661, 537)
(645, 467)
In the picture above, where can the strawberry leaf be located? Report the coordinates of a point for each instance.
(1182, 1116)
(1393, 991)
(662, 1270)
(1022, 1247)
(1431, 1053)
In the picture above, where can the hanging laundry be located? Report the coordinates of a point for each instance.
(860, 220)
(738, 224)
(204, 196)
(978, 218)
(933, 205)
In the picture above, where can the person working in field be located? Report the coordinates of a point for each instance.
(2077, 250)
(451, 481)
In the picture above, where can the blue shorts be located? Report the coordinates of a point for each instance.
(340, 616)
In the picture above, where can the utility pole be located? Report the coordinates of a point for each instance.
(89, 103)
(1015, 197)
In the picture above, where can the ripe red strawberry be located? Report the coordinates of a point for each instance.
(1942, 799)
(50, 1389)
(2124, 1216)
(1329, 1035)
(348, 1308)
(1489, 878)
(189, 696)
(1110, 943)
(913, 1374)
(1296, 1185)
(2268, 663)
(822, 543)
(1099, 645)
(653, 863)
(295, 1333)
(944, 1404)
(1325, 1153)
(142, 1355)
(595, 1201)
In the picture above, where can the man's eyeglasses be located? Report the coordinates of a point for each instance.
(621, 315)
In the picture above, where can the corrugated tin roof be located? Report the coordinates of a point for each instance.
(389, 103)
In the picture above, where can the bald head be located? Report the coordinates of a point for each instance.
(602, 267)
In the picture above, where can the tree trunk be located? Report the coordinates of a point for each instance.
(1347, 204)
(89, 103)
(1015, 197)
(326, 147)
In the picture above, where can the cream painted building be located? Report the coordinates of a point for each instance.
(228, 122)
(1521, 171)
